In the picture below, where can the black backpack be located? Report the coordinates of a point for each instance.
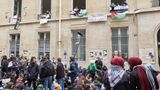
(49, 68)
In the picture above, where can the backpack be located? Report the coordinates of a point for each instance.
(49, 68)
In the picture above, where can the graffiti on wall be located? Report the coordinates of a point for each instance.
(147, 55)
(98, 53)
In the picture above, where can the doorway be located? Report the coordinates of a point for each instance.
(158, 44)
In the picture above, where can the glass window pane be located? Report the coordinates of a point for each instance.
(114, 47)
(48, 36)
(47, 44)
(124, 40)
(124, 43)
(124, 32)
(78, 47)
(120, 40)
(115, 33)
(44, 43)
(41, 44)
(47, 49)
(12, 45)
(81, 4)
(13, 37)
(17, 7)
(15, 44)
(124, 48)
(115, 40)
(41, 35)
(46, 6)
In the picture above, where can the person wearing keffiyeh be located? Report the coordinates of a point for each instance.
(138, 76)
(151, 76)
(117, 77)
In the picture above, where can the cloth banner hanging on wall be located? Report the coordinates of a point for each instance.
(43, 21)
(97, 18)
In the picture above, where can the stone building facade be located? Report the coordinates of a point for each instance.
(85, 29)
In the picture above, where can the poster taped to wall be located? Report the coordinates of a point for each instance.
(98, 53)
(147, 55)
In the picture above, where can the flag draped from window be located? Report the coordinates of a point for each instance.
(17, 23)
(118, 15)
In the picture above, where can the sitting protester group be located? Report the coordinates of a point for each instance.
(27, 74)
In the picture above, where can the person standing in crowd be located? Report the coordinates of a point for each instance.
(117, 77)
(47, 73)
(60, 73)
(4, 65)
(32, 73)
(22, 64)
(138, 76)
(158, 77)
(12, 63)
(117, 54)
(99, 63)
(73, 69)
(54, 62)
(151, 75)
(17, 67)
(26, 62)
(92, 69)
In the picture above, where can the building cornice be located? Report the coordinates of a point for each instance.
(38, 21)
(139, 11)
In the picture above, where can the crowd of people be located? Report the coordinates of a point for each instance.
(49, 74)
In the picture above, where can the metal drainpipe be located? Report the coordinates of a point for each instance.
(60, 31)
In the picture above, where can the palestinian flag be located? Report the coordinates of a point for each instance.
(118, 16)
(17, 23)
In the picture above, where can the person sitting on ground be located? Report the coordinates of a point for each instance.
(20, 82)
(97, 83)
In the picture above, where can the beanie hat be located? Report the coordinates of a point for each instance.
(117, 61)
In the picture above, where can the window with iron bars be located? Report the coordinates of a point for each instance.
(155, 3)
(44, 44)
(79, 44)
(120, 41)
(14, 44)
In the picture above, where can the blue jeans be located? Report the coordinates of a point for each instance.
(48, 83)
(61, 82)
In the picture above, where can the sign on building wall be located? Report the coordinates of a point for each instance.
(27, 53)
(94, 54)
(97, 18)
(147, 55)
